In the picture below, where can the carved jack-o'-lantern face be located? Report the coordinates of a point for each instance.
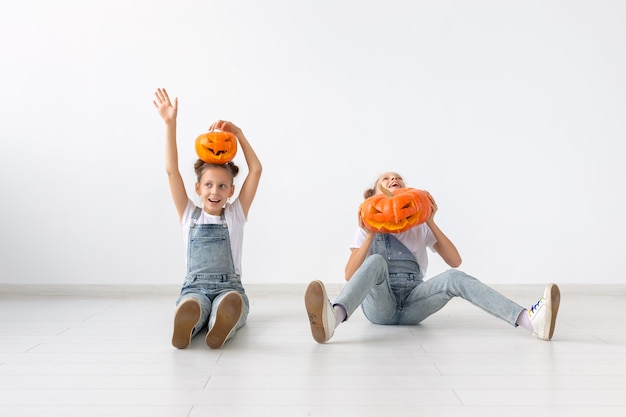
(397, 211)
(216, 147)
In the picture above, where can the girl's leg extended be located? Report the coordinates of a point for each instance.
(430, 296)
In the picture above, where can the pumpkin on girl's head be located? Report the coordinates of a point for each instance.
(395, 211)
(216, 147)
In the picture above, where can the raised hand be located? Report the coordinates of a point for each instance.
(225, 126)
(164, 106)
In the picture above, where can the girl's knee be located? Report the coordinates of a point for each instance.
(375, 260)
(456, 275)
(373, 268)
(377, 263)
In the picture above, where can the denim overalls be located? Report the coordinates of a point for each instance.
(390, 288)
(210, 269)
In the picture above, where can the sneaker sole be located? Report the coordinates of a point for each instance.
(315, 300)
(187, 315)
(552, 305)
(227, 316)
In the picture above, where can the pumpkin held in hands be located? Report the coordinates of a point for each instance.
(216, 147)
(395, 211)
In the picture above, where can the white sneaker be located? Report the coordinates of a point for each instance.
(320, 312)
(223, 323)
(542, 315)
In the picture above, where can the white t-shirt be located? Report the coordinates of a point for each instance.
(235, 219)
(416, 239)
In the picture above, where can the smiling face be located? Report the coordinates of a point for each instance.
(215, 188)
(391, 181)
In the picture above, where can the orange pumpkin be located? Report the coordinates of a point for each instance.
(216, 147)
(397, 211)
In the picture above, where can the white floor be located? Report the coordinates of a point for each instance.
(110, 355)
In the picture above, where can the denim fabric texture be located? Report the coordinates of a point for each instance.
(210, 270)
(390, 289)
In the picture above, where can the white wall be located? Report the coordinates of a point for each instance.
(511, 113)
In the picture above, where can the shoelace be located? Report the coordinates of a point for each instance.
(535, 307)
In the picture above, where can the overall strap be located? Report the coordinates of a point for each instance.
(196, 215)
(383, 242)
(399, 258)
(396, 244)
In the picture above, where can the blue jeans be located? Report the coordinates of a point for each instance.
(390, 293)
(208, 290)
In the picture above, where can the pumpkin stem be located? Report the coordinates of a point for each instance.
(388, 193)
